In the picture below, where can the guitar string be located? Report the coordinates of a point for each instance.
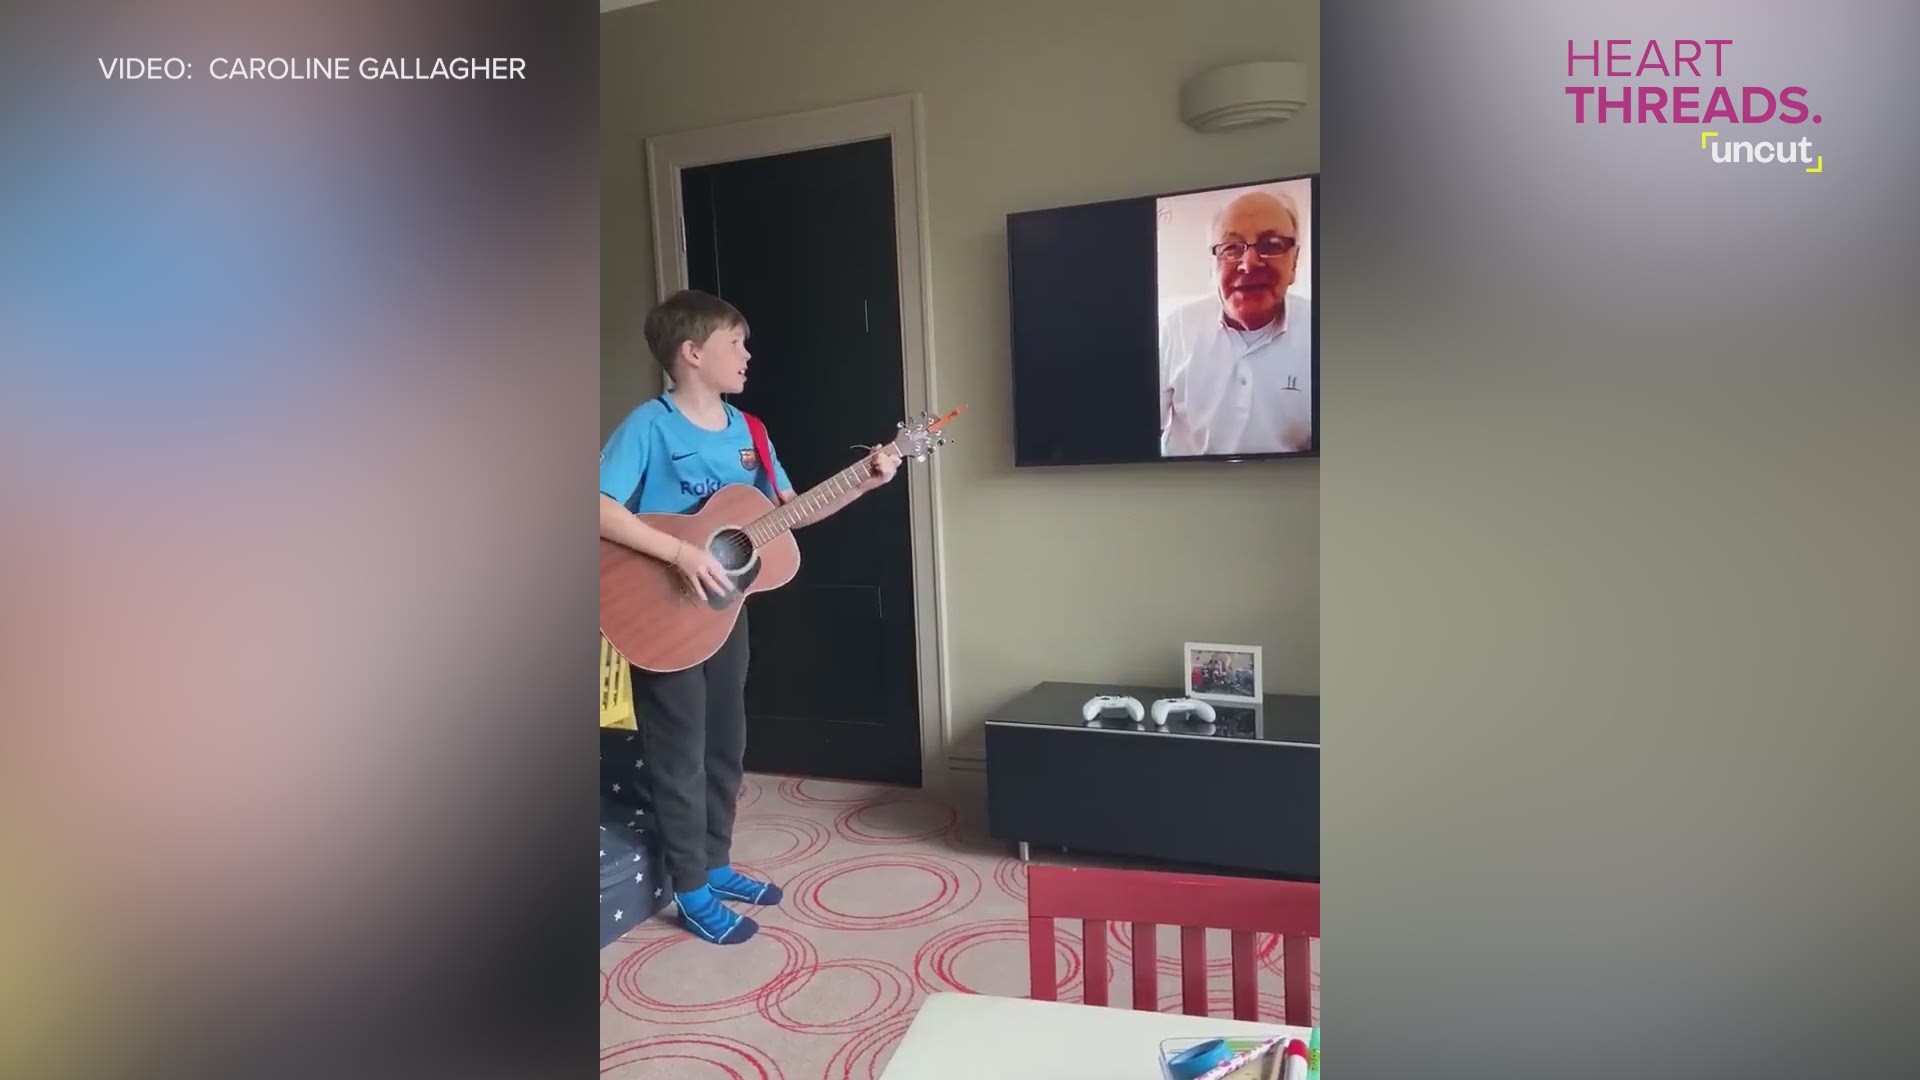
(790, 515)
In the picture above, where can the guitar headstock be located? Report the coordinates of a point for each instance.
(920, 436)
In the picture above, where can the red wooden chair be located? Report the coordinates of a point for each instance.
(1195, 903)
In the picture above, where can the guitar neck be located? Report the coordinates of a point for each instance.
(816, 501)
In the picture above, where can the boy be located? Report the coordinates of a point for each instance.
(668, 456)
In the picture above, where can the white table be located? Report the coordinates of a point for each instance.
(977, 1037)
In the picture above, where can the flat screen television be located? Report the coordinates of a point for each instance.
(1174, 327)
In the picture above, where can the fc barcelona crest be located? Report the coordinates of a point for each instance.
(749, 459)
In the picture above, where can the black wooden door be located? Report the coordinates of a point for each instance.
(803, 245)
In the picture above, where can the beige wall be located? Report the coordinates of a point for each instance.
(1028, 103)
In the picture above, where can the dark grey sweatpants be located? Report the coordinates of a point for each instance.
(693, 738)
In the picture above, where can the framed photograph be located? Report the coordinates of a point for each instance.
(1223, 672)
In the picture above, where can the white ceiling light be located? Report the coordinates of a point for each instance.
(1237, 95)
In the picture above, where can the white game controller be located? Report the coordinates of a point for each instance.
(1166, 707)
(1095, 706)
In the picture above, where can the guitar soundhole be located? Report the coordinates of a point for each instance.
(731, 549)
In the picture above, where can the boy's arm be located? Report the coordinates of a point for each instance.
(781, 482)
(623, 467)
(695, 564)
(622, 527)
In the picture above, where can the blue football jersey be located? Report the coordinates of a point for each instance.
(658, 461)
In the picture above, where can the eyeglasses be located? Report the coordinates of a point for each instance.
(1267, 247)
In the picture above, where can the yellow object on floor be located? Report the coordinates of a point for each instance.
(616, 689)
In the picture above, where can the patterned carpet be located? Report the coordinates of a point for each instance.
(890, 894)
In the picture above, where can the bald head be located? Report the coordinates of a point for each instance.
(1256, 250)
(1257, 207)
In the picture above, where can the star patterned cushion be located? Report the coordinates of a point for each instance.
(633, 883)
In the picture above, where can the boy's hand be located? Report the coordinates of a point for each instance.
(702, 571)
(882, 467)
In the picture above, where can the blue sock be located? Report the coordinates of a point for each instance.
(703, 913)
(734, 885)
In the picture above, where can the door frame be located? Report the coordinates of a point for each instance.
(899, 118)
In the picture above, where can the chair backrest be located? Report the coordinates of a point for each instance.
(1195, 903)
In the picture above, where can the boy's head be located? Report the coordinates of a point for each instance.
(700, 338)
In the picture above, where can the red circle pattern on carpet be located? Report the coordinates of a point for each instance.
(890, 895)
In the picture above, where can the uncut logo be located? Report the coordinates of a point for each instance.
(1764, 152)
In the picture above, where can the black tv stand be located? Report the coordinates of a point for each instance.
(1242, 794)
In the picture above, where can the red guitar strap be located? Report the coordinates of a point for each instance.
(763, 454)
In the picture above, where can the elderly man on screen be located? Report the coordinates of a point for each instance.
(1237, 367)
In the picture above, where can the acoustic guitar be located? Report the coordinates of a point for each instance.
(655, 619)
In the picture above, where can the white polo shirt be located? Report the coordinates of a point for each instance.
(1231, 391)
